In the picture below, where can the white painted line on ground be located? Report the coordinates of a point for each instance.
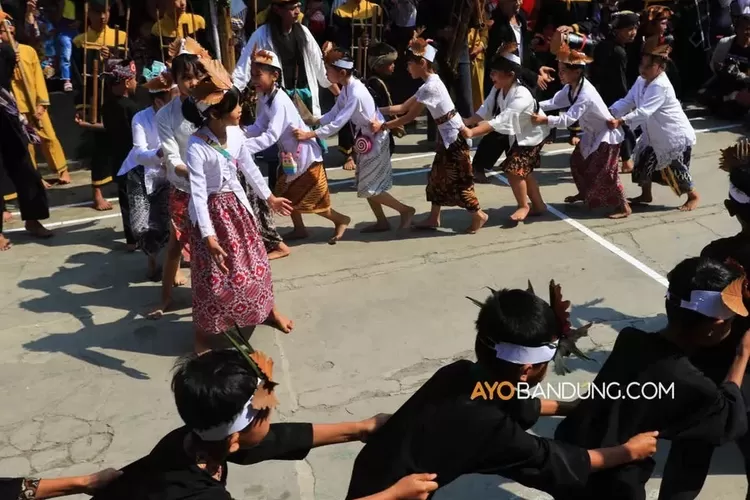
(73, 222)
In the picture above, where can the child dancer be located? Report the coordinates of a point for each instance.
(355, 107)
(445, 429)
(381, 58)
(451, 181)
(703, 299)
(662, 153)
(593, 163)
(303, 180)
(507, 112)
(226, 401)
(147, 185)
(174, 131)
(230, 287)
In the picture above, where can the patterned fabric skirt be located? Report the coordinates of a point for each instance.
(178, 213)
(244, 295)
(149, 213)
(676, 175)
(597, 177)
(522, 160)
(308, 192)
(374, 170)
(267, 226)
(451, 180)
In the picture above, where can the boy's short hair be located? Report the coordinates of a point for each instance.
(211, 389)
(695, 273)
(185, 64)
(515, 317)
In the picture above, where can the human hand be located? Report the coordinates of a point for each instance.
(642, 446)
(281, 206)
(371, 425)
(40, 110)
(217, 253)
(104, 52)
(614, 123)
(303, 135)
(538, 119)
(564, 29)
(377, 126)
(414, 487)
(545, 77)
(467, 133)
(99, 480)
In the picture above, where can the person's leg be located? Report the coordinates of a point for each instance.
(32, 195)
(520, 192)
(101, 172)
(172, 258)
(381, 223)
(122, 195)
(685, 470)
(407, 212)
(340, 222)
(279, 321)
(300, 231)
(490, 148)
(65, 40)
(538, 207)
(626, 150)
(462, 88)
(53, 151)
(346, 146)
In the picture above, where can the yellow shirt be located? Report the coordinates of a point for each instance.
(166, 28)
(69, 10)
(108, 36)
(37, 87)
(357, 10)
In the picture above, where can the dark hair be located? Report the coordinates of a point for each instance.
(163, 95)
(268, 68)
(185, 64)
(212, 388)
(514, 316)
(505, 65)
(695, 273)
(658, 60)
(198, 118)
(347, 58)
(740, 177)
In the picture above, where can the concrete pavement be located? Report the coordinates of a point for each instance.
(85, 378)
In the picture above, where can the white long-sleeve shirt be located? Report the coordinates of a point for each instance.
(655, 108)
(274, 124)
(510, 115)
(211, 172)
(436, 98)
(589, 111)
(146, 145)
(174, 132)
(354, 104)
(314, 67)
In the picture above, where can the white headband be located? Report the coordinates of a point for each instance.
(523, 355)
(429, 53)
(183, 50)
(708, 304)
(343, 64)
(512, 58)
(737, 195)
(222, 431)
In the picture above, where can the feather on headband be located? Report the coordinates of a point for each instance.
(214, 85)
(264, 397)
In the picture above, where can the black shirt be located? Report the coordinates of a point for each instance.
(292, 60)
(169, 473)
(609, 70)
(440, 429)
(117, 116)
(696, 409)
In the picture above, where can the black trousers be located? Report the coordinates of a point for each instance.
(17, 173)
(490, 148)
(346, 139)
(628, 145)
(122, 196)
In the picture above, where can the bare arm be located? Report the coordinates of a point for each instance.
(551, 408)
(399, 109)
(414, 111)
(637, 448)
(345, 432)
(52, 488)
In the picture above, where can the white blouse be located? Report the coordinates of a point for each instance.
(355, 104)
(274, 123)
(146, 145)
(513, 116)
(174, 132)
(438, 102)
(589, 111)
(655, 108)
(211, 172)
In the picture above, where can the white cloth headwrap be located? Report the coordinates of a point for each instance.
(512, 58)
(183, 50)
(737, 195)
(429, 53)
(707, 303)
(523, 355)
(344, 64)
(222, 431)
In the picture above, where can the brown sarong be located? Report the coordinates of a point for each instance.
(451, 180)
(308, 192)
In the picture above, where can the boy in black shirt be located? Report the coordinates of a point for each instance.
(444, 429)
(703, 299)
(225, 398)
(381, 60)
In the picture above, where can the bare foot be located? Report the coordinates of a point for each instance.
(350, 165)
(46, 184)
(37, 229)
(477, 221)
(642, 199)
(64, 178)
(158, 313)
(480, 176)
(573, 199)
(520, 214)
(574, 140)
(101, 204)
(406, 217)
(296, 235)
(691, 203)
(279, 321)
(378, 227)
(627, 167)
(427, 224)
(338, 231)
(621, 212)
(279, 252)
(5, 243)
(179, 279)
(7, 217)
